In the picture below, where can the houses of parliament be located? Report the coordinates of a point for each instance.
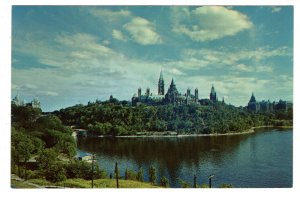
(172, 95)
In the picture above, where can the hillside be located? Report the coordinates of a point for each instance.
(118, 118)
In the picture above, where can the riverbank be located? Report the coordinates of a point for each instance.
(17, 182)
(249, 131)
(168, 134)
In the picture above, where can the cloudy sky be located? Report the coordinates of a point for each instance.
(75, 54)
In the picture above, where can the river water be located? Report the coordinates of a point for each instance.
(263, 159)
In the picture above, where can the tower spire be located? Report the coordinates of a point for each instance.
(161, 84)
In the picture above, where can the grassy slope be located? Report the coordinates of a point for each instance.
(20, 184)
(99, 183)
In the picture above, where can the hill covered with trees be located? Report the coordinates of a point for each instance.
(119, 118)
(42, 147)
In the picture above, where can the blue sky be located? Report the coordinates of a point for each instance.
(67, 55)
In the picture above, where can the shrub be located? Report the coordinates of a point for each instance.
(184, 184)
(32, 174)
(225, 185)
(164, 182)
(55, 173)
(140, 175)
(130, 175)
(152, 174)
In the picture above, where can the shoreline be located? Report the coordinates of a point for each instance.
(249, 131)
(162, 135)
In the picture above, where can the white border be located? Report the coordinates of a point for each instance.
(5, 87)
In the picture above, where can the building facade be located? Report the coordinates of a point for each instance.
(35, 103)
(213, 94)
(172, 96)
(267, 106)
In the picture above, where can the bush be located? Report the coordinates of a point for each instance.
(140, 175)
(204, 185)
(164, 182)
(32, 174)
(225, 185)
(183, 184)
(152, 174)
(55, 173)
(130, 175)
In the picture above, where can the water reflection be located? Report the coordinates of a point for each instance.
(169, 155)
(250, 160)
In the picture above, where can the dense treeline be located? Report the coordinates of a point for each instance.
(115, 118)
(42, 147)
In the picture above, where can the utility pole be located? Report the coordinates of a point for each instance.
(195, 181)
(210, 176)
(93, 159)
(117, 174)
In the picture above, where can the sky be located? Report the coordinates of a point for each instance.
(66, 55)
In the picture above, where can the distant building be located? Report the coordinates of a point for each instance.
(263, 105)
(172, 96)
(252, 104)
(213, 94)
(17, 101)
(35, 103)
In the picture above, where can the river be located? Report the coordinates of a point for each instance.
(263, 159)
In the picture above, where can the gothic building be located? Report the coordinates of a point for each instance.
(17, 101)
(252, 104)
(172, 96)
(213, 94)
(161, 85)
(263, 105)
(35, 103)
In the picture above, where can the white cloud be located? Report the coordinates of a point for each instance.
(83, 41)
(24, 87)
(233, 58)
(275, 9)
(175, 71)
(48, 93)
(110, 15)
(209, 22)
(143, 31)
(243, 67)
(118, 35)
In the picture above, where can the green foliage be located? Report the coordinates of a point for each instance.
(204, 185)
(225, 185)
(140, 175)
(99, 183)
(23, 147)
(116, 119)
(130, 175)
(55, 173)
(49, 167)
(32, 174)
(24, 116)
(184, 184)
(164, 182)
(152, 174)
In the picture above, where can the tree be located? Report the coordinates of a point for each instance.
(55, 173)
(152, 174)
(50, 168)
(164, 182)
(22, 149)
(24, 116)
(126, 174)
(140, 175)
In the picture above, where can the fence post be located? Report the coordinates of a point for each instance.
(117, 174)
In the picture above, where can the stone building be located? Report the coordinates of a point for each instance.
(172, 96)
